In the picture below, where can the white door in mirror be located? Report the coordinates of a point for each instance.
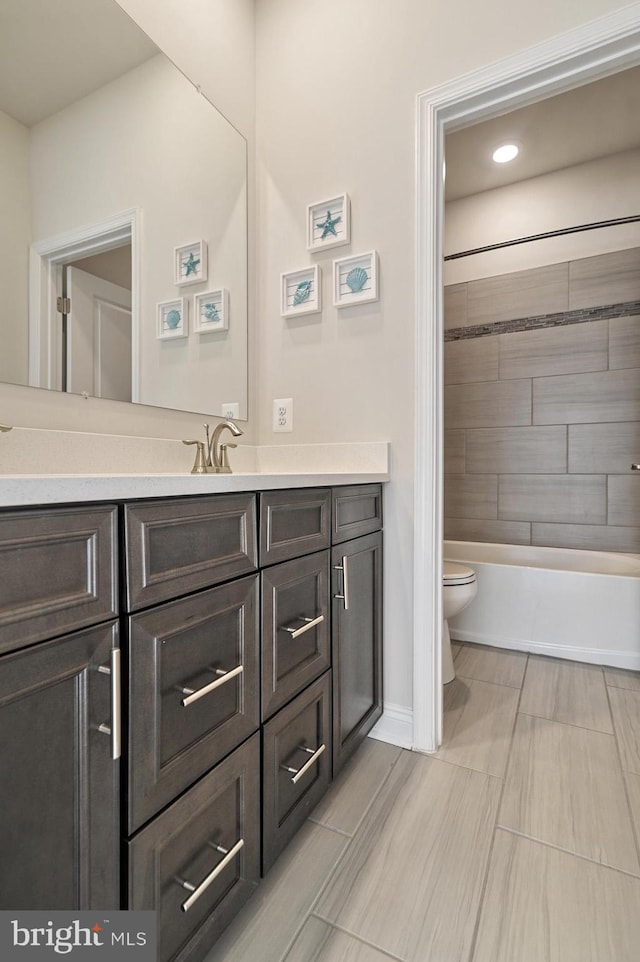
(283, 414)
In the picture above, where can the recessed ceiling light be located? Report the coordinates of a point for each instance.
(505, 153)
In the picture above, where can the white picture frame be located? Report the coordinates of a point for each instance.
(329, 223)
(168, 325)
(355, 279)
(211, 311)
(300, 292)
(190, 263)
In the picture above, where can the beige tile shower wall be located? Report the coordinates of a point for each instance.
(543, 425)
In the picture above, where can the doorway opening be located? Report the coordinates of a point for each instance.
(598, 49)
(91, 348)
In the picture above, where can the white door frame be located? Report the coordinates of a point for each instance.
(45, 258)
(594, 50)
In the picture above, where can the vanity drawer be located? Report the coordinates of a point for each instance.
(178, 546)
(184, 714)
(296, 762)
(294, 523)
(194, 838)
(295, 628)
(357, 510)
(59, 572)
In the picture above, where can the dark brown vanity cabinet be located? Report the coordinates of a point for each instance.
(251, 669)
(59, 710)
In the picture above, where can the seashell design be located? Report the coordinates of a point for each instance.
(356, 279)
(211, 312)
(173, 319)
(302, 292)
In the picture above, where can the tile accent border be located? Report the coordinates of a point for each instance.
(561, 319)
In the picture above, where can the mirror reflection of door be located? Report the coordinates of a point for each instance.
(98, 327)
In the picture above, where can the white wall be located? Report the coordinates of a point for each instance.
(599, 190)
(212, 42)
(336, 88)
(149, 141)
(15, 238)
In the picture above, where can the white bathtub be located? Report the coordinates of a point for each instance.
(582, 605)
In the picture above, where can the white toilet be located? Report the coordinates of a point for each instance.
(459, 588)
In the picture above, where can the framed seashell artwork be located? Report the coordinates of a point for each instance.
(329, 223)
(355, 279)
(172, 319)
(211, 311)
(300, 292)
(190, 263)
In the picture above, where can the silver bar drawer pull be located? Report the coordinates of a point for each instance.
(115, 729)
(344, 568)
(635, 467)
(299, 772)
(197, 891)
(225, 676)
(309, 623)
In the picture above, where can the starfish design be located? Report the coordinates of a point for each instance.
(191, 265)
(328, 226)
(211, 312)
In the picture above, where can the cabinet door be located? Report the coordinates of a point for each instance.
(357, 642)
(295, 628)
(199, 861)
(59, 791)
(194, 690)
(59, 572)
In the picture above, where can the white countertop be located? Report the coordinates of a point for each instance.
(57, 467)
(17, 490)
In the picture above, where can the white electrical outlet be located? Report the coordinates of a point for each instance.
(283, 414)
(230, 409)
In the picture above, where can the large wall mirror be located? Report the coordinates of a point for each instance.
(123, 236)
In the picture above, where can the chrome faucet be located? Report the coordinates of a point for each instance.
(218, 460)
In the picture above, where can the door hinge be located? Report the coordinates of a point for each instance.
(64, 305)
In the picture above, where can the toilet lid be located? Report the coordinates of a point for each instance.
(457, 574)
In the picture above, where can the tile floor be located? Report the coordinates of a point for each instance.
(516, 842)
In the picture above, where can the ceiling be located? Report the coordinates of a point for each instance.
(584, 124)
(54, 52)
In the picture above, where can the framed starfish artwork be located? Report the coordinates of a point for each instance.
(300, 292)
(329, 223)
(211, 311)
(190, 263)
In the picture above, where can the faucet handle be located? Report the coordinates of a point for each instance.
(200, 463)
(225, 467)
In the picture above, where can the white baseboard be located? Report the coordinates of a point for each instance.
(593, 656)
(395, 726)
